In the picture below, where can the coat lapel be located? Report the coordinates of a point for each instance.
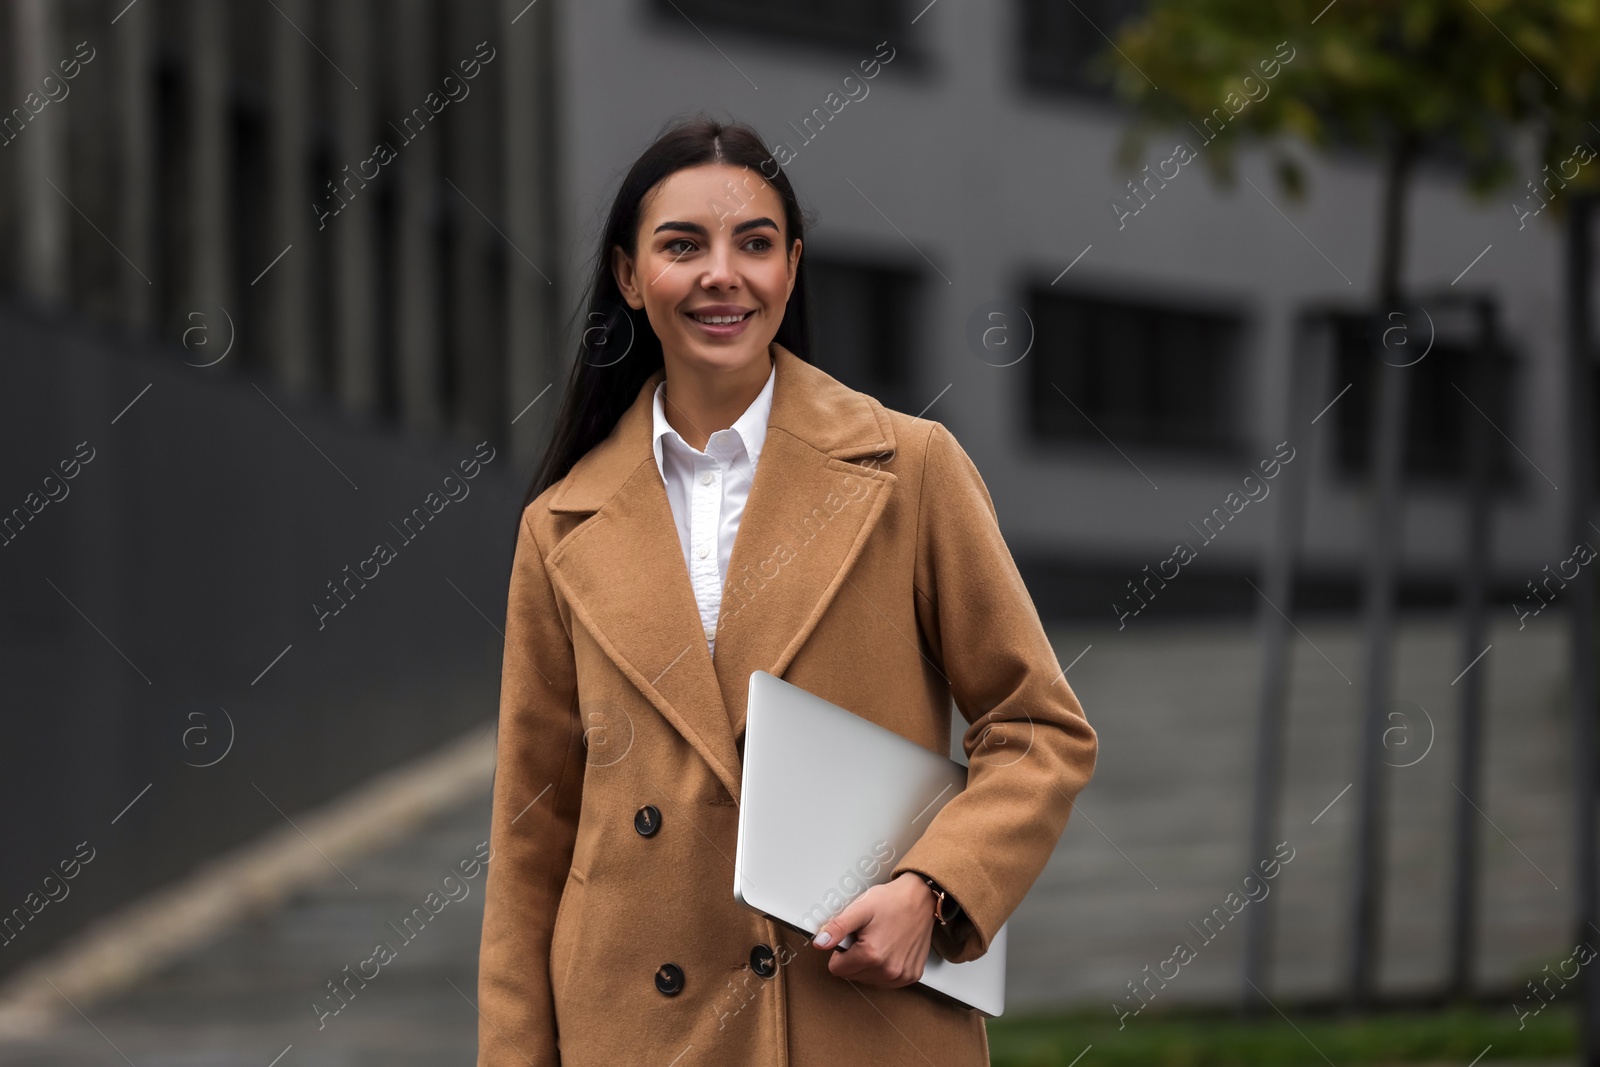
(808, 515)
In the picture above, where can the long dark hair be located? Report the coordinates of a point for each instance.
(604, 381)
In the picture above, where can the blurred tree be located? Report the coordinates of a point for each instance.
(1401, 80)
(1398, 79)
(1564, 41)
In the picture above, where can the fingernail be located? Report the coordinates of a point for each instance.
(824, 939)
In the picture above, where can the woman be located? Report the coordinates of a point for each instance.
(868, 568)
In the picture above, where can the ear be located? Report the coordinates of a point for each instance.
(627, 278)
(794, 265)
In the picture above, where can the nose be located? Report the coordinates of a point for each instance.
(720, 272)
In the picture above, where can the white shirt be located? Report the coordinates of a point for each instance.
(707, 491)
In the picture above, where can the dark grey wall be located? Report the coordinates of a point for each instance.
(196, 541)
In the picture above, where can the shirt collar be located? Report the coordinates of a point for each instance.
(751, 426)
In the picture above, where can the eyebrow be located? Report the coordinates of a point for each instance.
(696, 228)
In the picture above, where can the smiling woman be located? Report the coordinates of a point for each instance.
(713, 450)
(714, 302)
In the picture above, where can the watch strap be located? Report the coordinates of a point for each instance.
(944, 906)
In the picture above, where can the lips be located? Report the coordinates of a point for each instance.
(721, 316)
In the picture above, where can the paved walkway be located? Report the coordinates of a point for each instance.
(249, 995)
(1158, 842)
(1163, 834)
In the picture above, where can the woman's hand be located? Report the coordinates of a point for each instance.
(893, 924)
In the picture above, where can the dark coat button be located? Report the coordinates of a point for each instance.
(647, 820)
(763, 962)
(669, 979)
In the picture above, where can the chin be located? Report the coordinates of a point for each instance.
(729, 356)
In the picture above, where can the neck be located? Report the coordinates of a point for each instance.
(699, 400)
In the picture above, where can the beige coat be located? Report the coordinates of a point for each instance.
(869, 569)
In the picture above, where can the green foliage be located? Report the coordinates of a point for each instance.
(1173, 1040)
(1569, 53)
(1365, 75)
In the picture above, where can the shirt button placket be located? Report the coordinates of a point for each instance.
(703, 533)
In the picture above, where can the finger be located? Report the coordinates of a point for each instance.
(870, 966)
(856, 915)
(863, 962)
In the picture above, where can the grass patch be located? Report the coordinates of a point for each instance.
(1214, 1040)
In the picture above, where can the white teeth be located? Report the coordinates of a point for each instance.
(720, 320)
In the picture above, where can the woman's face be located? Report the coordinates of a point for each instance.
(710, 249)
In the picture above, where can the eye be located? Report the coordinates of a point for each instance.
(759, 244)
(679, 241)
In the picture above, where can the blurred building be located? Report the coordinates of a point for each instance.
(382, 214)
(266, 261)
(394, 206)
(355, 195)
(955, 190)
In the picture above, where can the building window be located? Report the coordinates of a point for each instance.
(841, 23)
(1058, 40)
(1440, 412)
(862, 318)
(1135, 371)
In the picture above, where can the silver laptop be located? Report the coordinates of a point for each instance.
(830, 803)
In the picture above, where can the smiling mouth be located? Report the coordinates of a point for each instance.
(720, 320)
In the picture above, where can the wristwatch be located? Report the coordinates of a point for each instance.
(944, 907)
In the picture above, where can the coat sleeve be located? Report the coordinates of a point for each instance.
(539, 763)
(1029, 747)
